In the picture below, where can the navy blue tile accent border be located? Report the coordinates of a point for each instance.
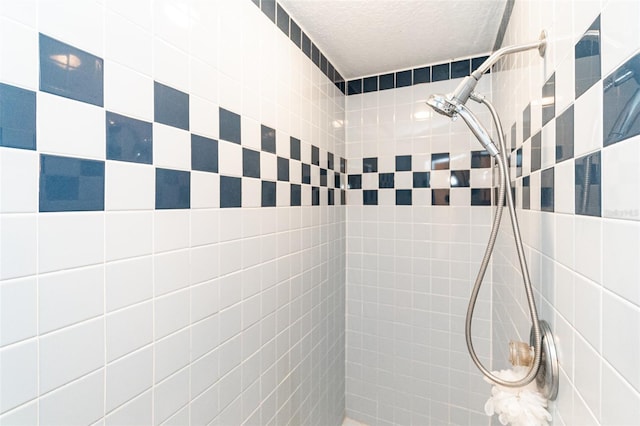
(588, 198)
(440, 72)
(386, 180)
(422, 75)
(268, 139)
(17, 117)
(70, 184)
(403, 78)
(370, 84)
(129, 139)
(354, 87)
(71, 72)
(461, 68)
(230, 126)
(171, 106)
(480, 196)
(230, 192)
(386, 81)
(282, 19)
(204, 154)
(173, 189)
(268, 7)
(295, 34)
(403, 163)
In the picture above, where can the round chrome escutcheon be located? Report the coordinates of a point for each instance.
(548, 376)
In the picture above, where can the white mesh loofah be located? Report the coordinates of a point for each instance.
(523, 406)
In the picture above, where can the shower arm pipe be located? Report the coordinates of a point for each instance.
(468, 84)
(504, 186)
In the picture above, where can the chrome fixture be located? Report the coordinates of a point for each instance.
(544, 361)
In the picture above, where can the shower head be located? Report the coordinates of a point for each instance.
(449, 107)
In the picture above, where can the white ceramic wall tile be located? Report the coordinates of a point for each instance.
(171, 147)
(138, 13)
(170, 395)
(128, 234)
(232, 153)
(70, 353)
(136, 411)
(81, 402)
(128, 377)
(620, 174)
(18, 310)
(170, 66)
(129, 186)
(171, 271)
(170, 354)
(18, 181)
(171, 230)
(128, 329)
(588, 115)
(128, 282)
(82, 124)
(203, 117)
(128, 45)
(69, 297)
(18, 246)
(70, 240)
(18, 365)
(171, 313)
(56, 20)
(128, 92)
(19, 50)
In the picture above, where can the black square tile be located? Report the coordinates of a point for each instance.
(129, 139)
(370, 84)
(386, 180)
(354, 87)
(268, 194)
(386, 81)
(269, 8)
(549, 100)
(422, 75)
(476, 62)
(173, 189)
(547, 190)
(230, 192)
(343, 165)
(480, 160)
(171, 106)
(440, 161)
(230, 126)
(204, 154)
(587, 59)
(526, 123)
(323, 177)
(536, 151)
(459, 178)
(564, 135)
(296, 192)
(306, 173)
(440, 72)
(268, 139)
(440, 197)
(250, 163)
(330, 160)
(315, 155)
(354, 181)
(294, 145)
(403, 78)
(283, 169)
(518, 155)
(620, 94)
(526, 193)
(331, 197)
(370, 165)
(480, 196)
(421, 179)
(403, 197)
(403, 163)
(17, 117)
(460, 69)
(588, 172)
(370, 197)
(343, 197)
(315, 196)
(337, 180)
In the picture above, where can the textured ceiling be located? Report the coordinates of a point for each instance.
(368, 37)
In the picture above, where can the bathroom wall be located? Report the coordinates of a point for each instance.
(418, 216)
(577, 180)
(172, 241)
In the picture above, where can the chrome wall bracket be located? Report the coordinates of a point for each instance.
(548, 377)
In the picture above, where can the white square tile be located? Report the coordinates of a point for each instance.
(87, 33)
(565, 236)
(82, 402)
(171, 271)
(204, 263)
(19, 172)
(565, 84)
(170, 66)
(128, 377)
(129, 186)
(231, 155)
(18, 310)
(204, 81)
(18, 245)
(283, 194)
(18, 365)
(620, 174)
(203, 117)
(564, 186)
(138, 12)
(128, 329)
(128, 234)
(588, 115)
(621, 269)
(69, 297)
(128, 92)
(205, 190)
(548, 144)
(204, 31)
(27, 414)
(204, 300)
(171, 313)
(170, 395)
(137, 411)
(128, 282)
(172, 22)
(128, 44)
(620, 402)
(70, 240)
(171, 147)
(19, 50)
(24, 12)
(171, 230)
(82, 125)
(269, 167)
(251, 192)
(70, 353)
(171, 354)
(621, 346)
(204, 227)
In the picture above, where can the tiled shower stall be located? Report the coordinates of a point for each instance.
(202, 222)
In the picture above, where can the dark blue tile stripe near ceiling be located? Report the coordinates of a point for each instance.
(279, 16)
(405, 78)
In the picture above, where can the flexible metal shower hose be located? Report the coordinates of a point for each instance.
(504, 187)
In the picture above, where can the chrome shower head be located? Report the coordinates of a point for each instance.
(442, 105)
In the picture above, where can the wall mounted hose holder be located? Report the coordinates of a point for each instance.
(548, 377)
